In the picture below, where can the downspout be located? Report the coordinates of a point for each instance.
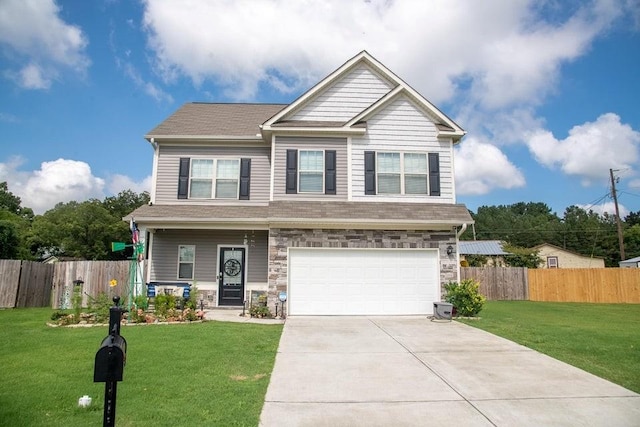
(462, 230)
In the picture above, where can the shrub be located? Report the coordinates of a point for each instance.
(100, 306)
(260, 311)
(465, 297)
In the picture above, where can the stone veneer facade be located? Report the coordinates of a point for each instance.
(281, 239)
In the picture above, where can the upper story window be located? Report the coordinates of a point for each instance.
(552, 262)
(214, 178)
(401, 173)
(311, 172)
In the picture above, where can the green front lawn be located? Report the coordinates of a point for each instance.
(210, 373)
(603, 339)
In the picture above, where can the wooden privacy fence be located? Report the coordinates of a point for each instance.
(603, 285)
(25, 283)
(96, 276)
(33, 284)
(499, 283)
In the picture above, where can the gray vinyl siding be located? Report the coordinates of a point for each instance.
(169, 163)
(347, 97)
(164, 265)
(402, 126)
(284, 143)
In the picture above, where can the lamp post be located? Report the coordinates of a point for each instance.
(282, 296)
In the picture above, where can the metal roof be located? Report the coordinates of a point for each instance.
(481, 247)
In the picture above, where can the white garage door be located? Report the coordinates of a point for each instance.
(363, 281)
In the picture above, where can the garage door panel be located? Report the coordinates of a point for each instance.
(362, 281)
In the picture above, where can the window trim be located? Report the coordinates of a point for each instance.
(300, 171)
(214, 178)
(193, 263)
(402, 173)
(549, 264)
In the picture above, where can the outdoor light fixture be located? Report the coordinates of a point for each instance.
(449, 250)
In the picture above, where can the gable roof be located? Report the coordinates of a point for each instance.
(445, 125)
(481, 247)
(630, 261)
(219, 120)
(558, 248)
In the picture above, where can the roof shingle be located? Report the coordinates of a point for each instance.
(202, 119)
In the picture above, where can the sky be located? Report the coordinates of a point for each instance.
(548, 91)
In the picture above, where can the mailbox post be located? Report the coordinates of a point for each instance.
(109, 363)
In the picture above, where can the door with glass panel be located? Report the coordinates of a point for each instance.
(231, 276)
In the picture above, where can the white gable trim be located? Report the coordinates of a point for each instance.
(378, 67)
(318, 88)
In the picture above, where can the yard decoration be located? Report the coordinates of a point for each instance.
(136, 271)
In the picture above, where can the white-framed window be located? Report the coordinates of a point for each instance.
(552, 262)
(311, 171)
(402, 173)
(186, 261)
(214, 178)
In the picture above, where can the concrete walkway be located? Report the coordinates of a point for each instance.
(409, 371)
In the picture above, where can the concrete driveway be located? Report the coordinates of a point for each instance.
(410, 371)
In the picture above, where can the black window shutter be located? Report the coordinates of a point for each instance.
(434, 174)
(369, 172)
(245, 178)
(292, 171)
(183, 178)
(330, 172)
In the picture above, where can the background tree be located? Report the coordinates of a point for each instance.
(9, 240)
(85, 230)
(522, 257)
(16, 222)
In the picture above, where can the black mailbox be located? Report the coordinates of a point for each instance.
(110, 359)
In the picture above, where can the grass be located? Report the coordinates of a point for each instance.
(210, 373)
(603, 339)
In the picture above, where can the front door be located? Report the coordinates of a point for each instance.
(231, 276)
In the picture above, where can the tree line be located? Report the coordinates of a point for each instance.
(525, 225)
(79, 230)
(85, 230)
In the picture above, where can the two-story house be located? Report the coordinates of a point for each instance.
(344, 199)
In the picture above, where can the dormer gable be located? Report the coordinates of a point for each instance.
(342, 101)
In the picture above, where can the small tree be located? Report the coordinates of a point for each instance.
(522, 257)
(465, 297)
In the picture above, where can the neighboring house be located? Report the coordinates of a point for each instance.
(491, 249)
(556, 257)
(630, 263)
(343, 199)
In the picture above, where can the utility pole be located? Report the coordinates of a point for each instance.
(615, 202)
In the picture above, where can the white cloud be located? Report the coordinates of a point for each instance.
(608, 207)
(118, 183)
(32, 77)
(40, 42)
(481, 167)
(62, 180)
(590, 150)
(57, 181)
(441, 48)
